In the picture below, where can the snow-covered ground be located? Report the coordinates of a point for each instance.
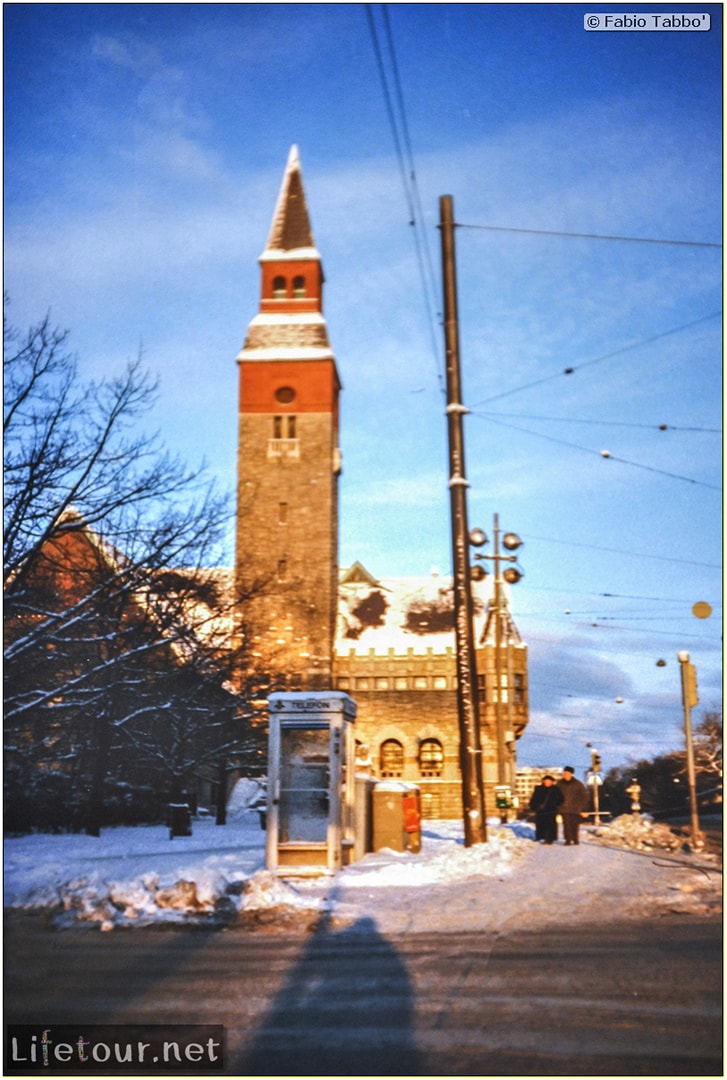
(138, 876)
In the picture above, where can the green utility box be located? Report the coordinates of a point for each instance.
(397, 816)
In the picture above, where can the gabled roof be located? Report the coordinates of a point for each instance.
(290, 232)
(357, 574)
(509, 633)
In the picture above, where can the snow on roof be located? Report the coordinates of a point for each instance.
(286, 352)
(289, 318)
(399, 613)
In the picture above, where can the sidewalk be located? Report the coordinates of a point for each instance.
(548, 886)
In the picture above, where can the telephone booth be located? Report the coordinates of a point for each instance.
(310, 809)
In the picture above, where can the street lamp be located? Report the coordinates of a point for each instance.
(512, 574)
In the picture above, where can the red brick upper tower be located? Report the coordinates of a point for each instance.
(288, 455)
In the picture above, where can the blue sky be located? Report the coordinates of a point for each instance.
(144, 148)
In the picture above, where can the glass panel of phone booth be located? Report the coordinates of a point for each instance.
(304, 785)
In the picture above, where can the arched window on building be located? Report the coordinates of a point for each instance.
(431, 757)
(299, 286)
(391, 758)
(280, 288)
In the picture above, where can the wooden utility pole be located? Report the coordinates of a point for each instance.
(470, 749)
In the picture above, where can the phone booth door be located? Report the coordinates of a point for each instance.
(310, 803)
(303, 809)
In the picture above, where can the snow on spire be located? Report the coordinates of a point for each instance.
(291, 229)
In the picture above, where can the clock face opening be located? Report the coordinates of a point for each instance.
(285, 395)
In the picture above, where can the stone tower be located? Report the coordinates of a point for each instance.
(288, 456)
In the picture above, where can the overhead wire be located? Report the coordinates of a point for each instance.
(598, 359)
(604, 454)
(605, 423)
(621, 551)
(592, 236)
(405, 158)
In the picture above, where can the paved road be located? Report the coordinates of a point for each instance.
(635, 998)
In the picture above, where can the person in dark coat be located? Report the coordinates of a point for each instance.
(545, 802)
(576, 801)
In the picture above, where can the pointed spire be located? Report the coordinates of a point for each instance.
(290, 229)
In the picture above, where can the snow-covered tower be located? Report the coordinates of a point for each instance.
(288, 454)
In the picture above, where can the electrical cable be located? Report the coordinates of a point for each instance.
(605, 454)
(598, 359)
(409, 182)
(592, 236)
(620, 551)
(430, 276)
(605, 423)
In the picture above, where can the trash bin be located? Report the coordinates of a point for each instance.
(180, 820)
(397, 816)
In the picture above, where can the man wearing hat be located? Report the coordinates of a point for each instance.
(576, 801)
(545, 803)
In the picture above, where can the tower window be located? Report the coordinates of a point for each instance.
(280, 288)
(282, 569)
(431, 757)
(285, 394)
(391, 758)
(481, 688)
(284, 443)
(282, 513)
(519, 688)
(299, 286)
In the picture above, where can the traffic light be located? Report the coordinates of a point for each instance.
(691, 694)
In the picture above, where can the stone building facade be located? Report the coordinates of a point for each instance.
(288, 454)
(395, 656)
(388, 643)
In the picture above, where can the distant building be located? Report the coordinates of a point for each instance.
(527, 779)
(389, 643)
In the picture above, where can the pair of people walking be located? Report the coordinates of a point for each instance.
(567, 797)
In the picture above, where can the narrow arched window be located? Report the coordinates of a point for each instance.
(391, 758)
(431, 757)
(280, 288)
(298, 286)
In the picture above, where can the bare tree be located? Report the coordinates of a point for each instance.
(708, 744)
(106, 651)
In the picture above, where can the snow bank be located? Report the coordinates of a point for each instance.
(443, 861)
(137, 876)
(638, 832)
(266, 890)
(133, 876)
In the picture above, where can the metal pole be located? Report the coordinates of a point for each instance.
(596, 801)
(697, 838)
(499, 716)
(473, 807)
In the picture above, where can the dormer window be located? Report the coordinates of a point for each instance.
(280, 288)
(299, 287)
